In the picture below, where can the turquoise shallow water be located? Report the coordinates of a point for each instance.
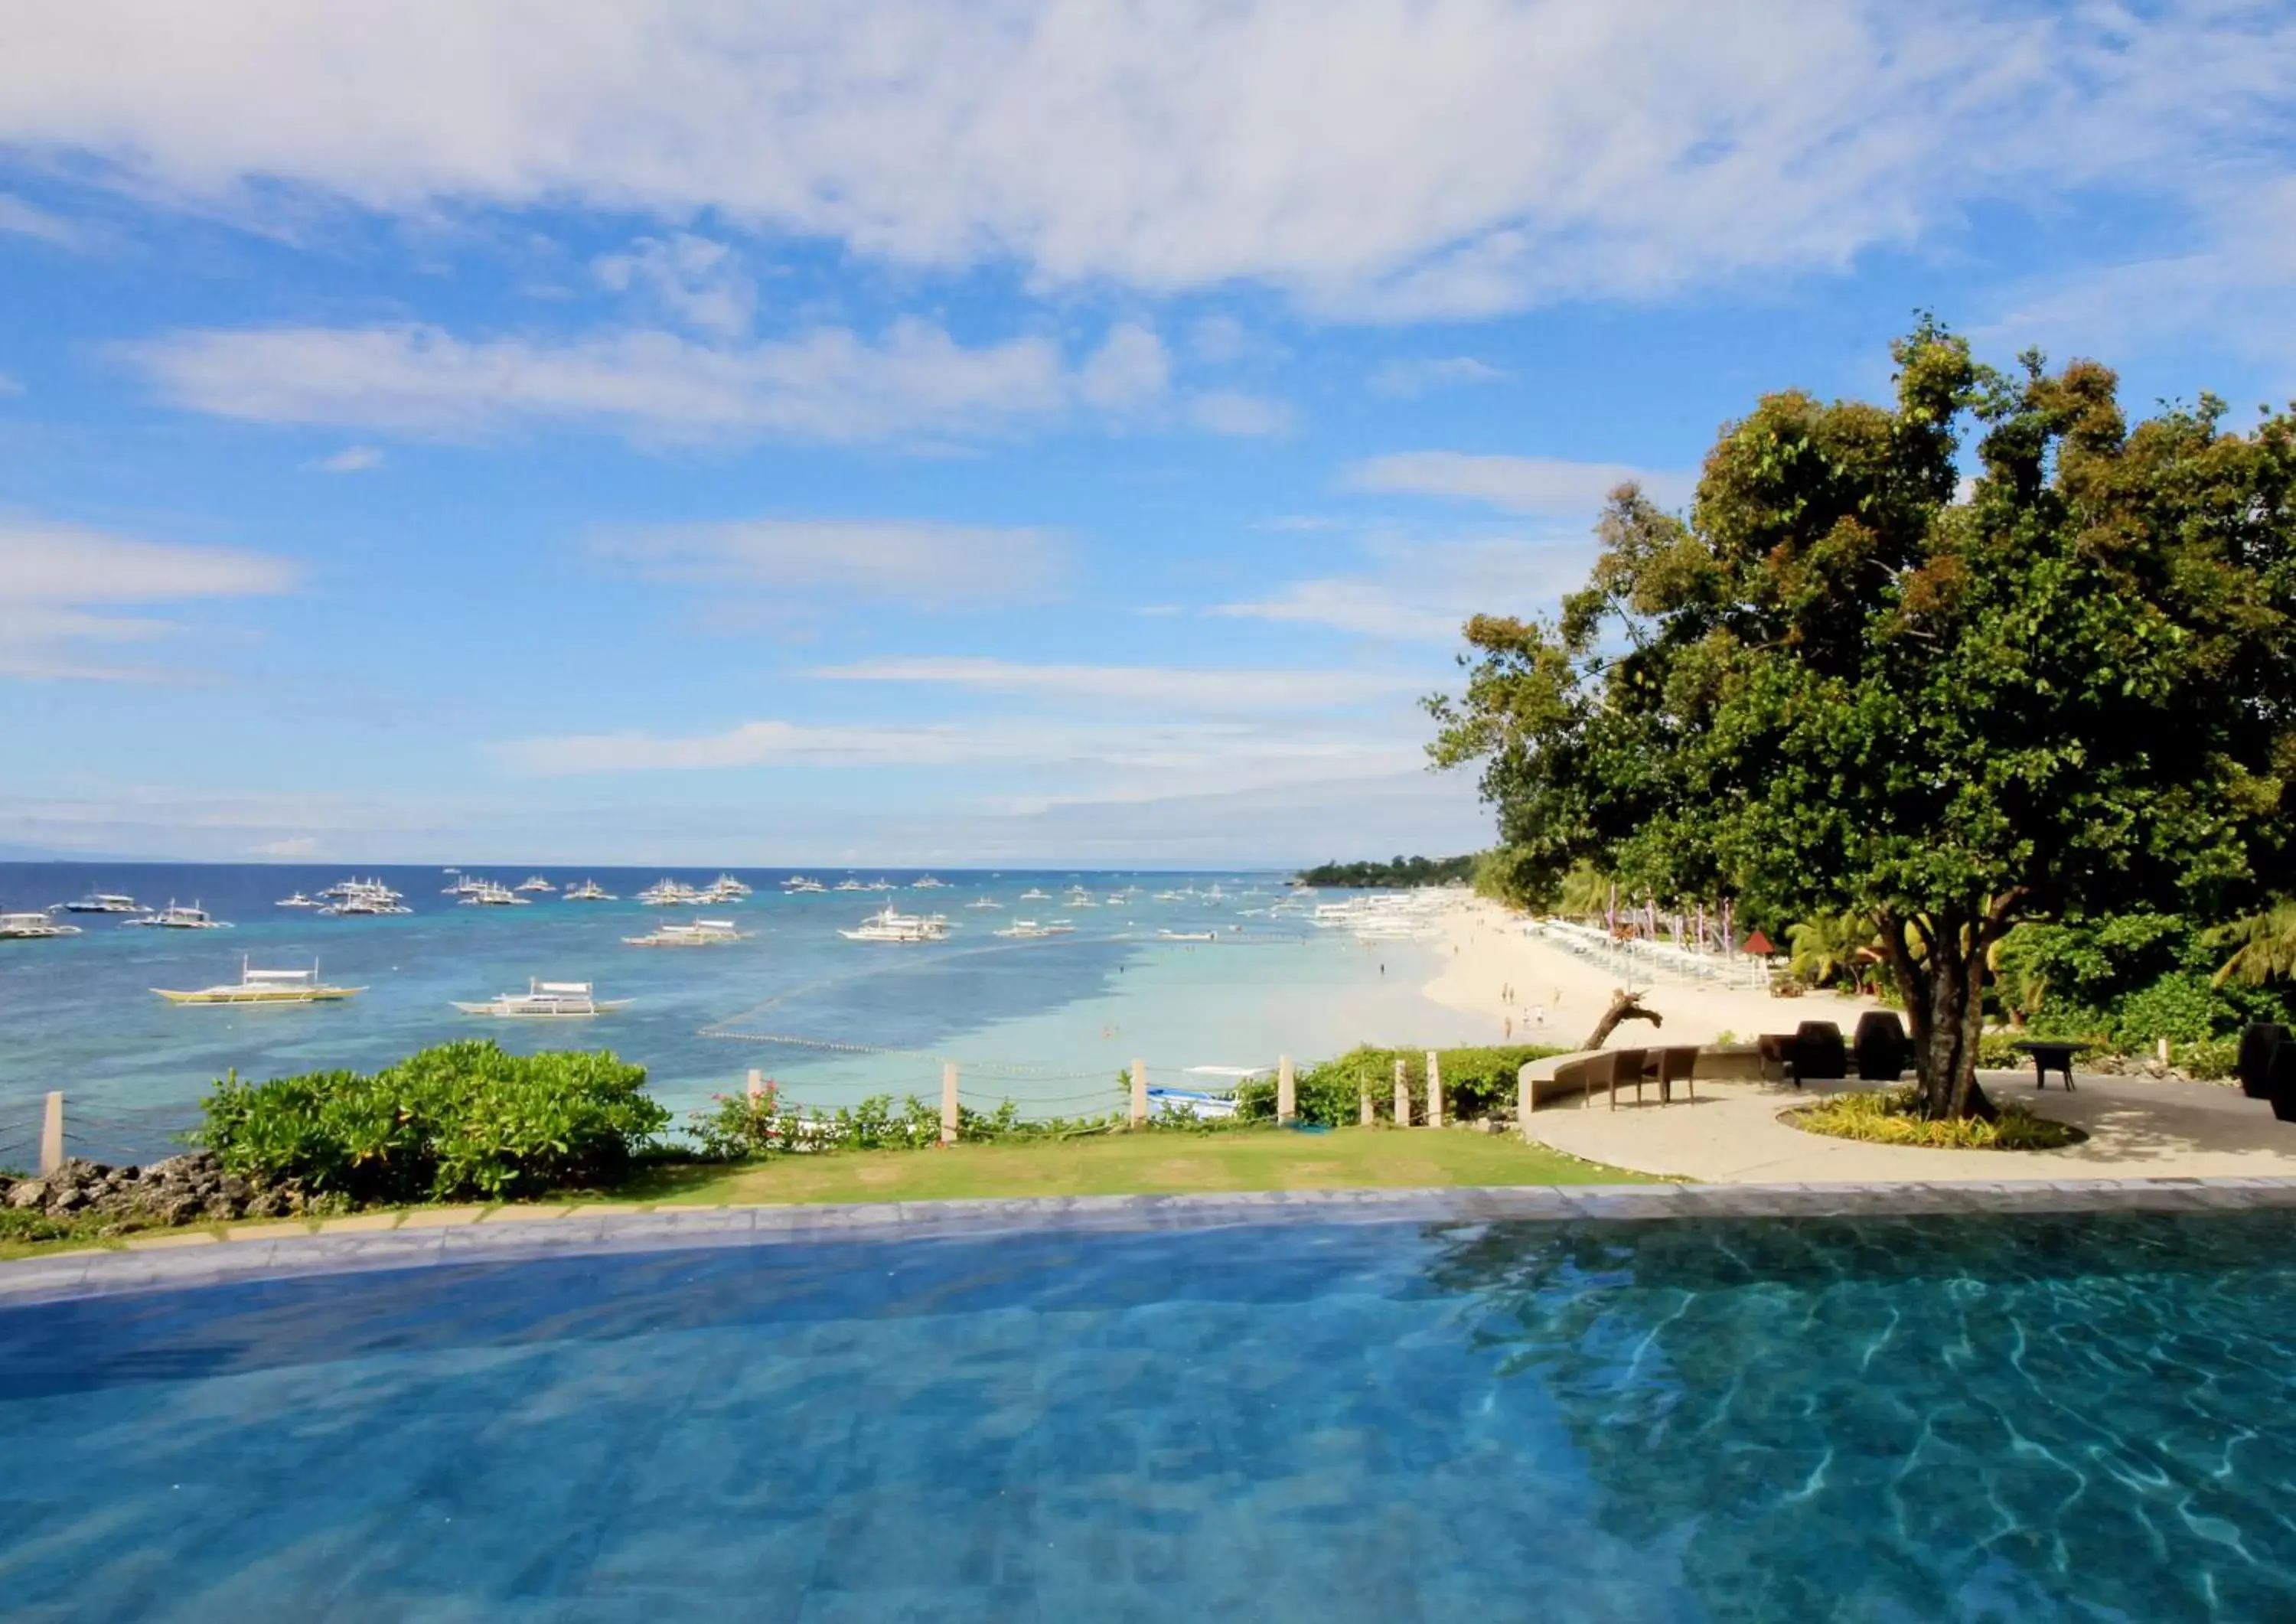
(2032, 1419)
(1049, 1023)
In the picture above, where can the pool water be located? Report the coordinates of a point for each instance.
(2028, 1418)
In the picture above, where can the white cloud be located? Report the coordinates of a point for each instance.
(1246, 417)
(1166, 687)
(1518, 484)
(829, 384)
(1423, 592)
(9, 386)
(698, 282)
(351, 459)
(1411, 379)
(20, 218)
(1131, 369)
(58, 582)
(914, 561)
(1386, 157)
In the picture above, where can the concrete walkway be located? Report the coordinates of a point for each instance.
(2137, 1128)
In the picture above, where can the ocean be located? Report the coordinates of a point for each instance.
(1049, 1023)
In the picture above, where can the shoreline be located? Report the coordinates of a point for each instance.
(1557, 998)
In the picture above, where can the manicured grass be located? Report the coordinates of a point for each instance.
(1134, 1164)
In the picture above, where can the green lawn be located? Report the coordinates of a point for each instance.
(1134, 1164)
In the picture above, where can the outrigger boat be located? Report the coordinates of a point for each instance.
(548, 1001)
(266, 986)
(700, 933)
(892, 925)
(102, 902)
(535, 882)
(32, 927)
(175, 918)
(589, 890)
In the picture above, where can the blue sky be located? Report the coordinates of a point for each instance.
(975, 433)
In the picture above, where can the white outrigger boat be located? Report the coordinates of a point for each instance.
(892, 925)
(176, 918)
(299, 900)
(1033, 894)
(1187, 936)
(1029, 930)
(535, 882)
(545, 1001)
(589, 890)
(700, 933)
(32, 927)
(266, 986)
(102, 902)
(984, 902)
(488, 895)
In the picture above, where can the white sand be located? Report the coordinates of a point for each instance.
(1559, 996)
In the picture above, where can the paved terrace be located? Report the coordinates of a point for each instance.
(2139, 1127)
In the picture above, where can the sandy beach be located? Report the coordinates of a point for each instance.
(1557, 996)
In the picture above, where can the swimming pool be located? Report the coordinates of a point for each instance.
(2043, 1416)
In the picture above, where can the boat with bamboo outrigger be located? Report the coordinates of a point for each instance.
(546, 1001)
(266, 986)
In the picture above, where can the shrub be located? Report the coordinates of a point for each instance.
(749, 1127)
(463, 1120)
(1893, 1117)
(1476, 1082)
(2211, 1060)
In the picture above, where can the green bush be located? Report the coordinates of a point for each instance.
(1476, 1082)
(751, 1126)
(2211, 1060)
(1893, 1117)
(461, 1120)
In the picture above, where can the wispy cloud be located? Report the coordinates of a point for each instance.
(700, 283)
(1518, 484)
(1203, 689)
(1231, 412)
(23, 219)
(1445, 158)
(60, 587)
(904, 561)
(351, 459)
(1411, 379)
(1423, 592)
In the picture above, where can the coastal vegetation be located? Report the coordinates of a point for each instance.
(1894, 1116)
(1985, 658)
(1477, 1082)
(1396, 872)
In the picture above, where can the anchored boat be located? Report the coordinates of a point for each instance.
(548, 1001)
(31, 927)
(266, 986)
(176, 918)
(102, 902)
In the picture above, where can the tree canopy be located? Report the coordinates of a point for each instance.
(1867, 671)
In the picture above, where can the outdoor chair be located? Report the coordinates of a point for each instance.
(1678, 1065)
(1626, 1067)
(1776, 1049)
(1880, 1046)
(2256, 1044)
(1818, 1052)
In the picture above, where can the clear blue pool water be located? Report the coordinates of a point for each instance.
(2036, 1418)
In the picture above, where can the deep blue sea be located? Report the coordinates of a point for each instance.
(1906, 1421)
(1048, 1022)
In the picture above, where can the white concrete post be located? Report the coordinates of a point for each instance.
(1139, 1094)
(948, 1113)
(1287, 1094)
(1402, 1095)
(52, 1135)
(757, 1083)
(1370, 1113)
(1434, 1090)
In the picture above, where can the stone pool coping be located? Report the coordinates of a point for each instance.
(428, 1237)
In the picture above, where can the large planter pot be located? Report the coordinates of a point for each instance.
(2256, 1046)
(2280, 1080)
(1818, 1051)
(1880, 1046)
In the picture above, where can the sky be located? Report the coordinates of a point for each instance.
(983, 431)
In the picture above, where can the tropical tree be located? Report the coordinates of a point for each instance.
(1826, 948)
(1848, 680)
(2264, 946)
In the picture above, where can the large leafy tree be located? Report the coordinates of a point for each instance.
(1851, 678)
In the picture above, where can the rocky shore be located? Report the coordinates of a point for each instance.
(180, 1190)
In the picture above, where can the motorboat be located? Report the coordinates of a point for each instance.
(849, 884)
(174, 917)
(700, 933)
(299, 900)
(1033, 895)
(926, 882)
(546, 1001)
(589, 890)
(726, 885)
(892, 925)
(102, 902)
(984, 902)
(266, 986)
(1030, 929)
(32, 927)
(668, 893)
(797, 884)
(535, 882)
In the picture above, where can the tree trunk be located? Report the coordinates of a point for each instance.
(1943, 984)
(1624, 1006)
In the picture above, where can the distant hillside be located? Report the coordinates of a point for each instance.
(1396, 871)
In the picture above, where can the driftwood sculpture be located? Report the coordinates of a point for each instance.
(1624, 1006)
